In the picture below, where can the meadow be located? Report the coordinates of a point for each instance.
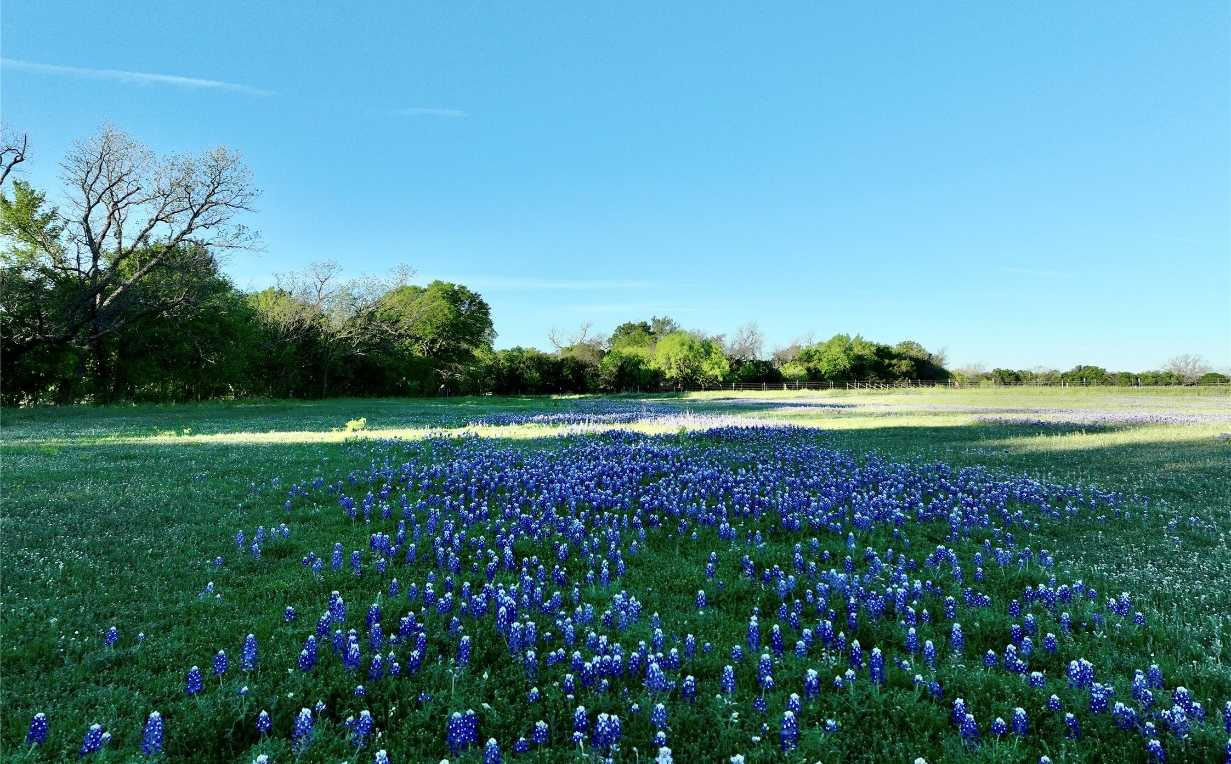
(955, 575)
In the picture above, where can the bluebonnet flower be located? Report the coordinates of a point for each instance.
(658, 716)
(113, 636)
(789, 734)
(655, 680)
(1154, 677)
(812, 684)
(1100, 694)
(689, 689)
(956, 640)
(793, 704)
(1154, 749)
(301, 734)
(288, 615)
(93, 740)
(959, 710)
(1053, 703)
(1177, 721)
(362, 728)
(456, 733)
(728, 680)
(381, 757)
(969, 728)
(607, 731)
(1021, 723)
(1073, 725)
(192, 684)
(876, 666)
(220, 663)
(764, 670)
(540, 733)
(248, 657)
(37, 735)
(151, 736)
(1125, 717)
(999, 728)
(263, 723)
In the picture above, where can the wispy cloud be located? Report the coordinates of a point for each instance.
(1037, 272)
(430, 111)
(134, 78)
(630, 308)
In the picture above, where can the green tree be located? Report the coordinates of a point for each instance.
(443, 322)
(632, 334)
(628, 368)
(685, 359)
(134, 216)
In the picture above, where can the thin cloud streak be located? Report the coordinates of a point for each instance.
(1040, 272)
(631, 309)
(429, 111)
(136, 78)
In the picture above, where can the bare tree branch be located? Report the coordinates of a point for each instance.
(131, 215)
(12, 152)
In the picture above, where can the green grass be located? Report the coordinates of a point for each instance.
(110, 515)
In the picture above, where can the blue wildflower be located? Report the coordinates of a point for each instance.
(151, 737)
(37, 735)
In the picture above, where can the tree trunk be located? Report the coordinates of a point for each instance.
(102, 371)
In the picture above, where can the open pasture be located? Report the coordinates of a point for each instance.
(958, 575)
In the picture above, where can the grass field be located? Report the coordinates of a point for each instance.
(115, 516)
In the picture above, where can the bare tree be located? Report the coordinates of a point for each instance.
(580, 337)
(130, 216)
(584, 344)
(1188, 367)
(972, 371)
(344, 312)
(940, 357)
(12, 152)
(747, 343)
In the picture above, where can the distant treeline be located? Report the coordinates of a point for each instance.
(118, 294)
(1182, 370)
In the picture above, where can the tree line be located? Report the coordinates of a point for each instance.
(1184, 369)
(116, 291)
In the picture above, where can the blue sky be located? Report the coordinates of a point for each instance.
(1022, 184)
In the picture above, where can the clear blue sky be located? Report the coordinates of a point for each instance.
(1028, 183)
